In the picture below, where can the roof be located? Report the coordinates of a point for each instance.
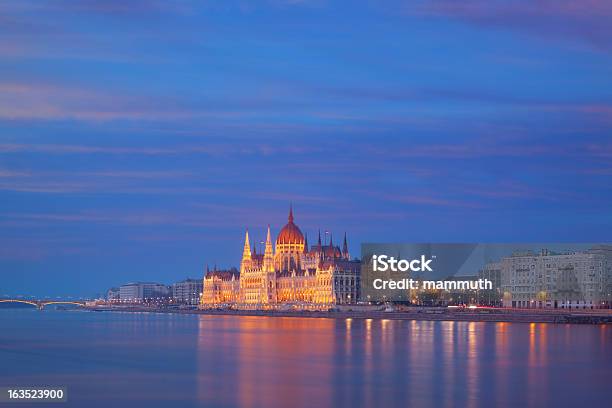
(225, 274)
(290, 233)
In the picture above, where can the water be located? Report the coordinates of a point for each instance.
(133, 359)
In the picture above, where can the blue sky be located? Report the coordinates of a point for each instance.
(139, 139)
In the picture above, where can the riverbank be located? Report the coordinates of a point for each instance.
(433, 314)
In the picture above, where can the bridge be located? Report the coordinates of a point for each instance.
(40, 304)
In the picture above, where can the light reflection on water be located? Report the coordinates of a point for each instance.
(123, 359)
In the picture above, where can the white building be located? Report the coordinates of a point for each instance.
(113, 295)
(576, 280)
(187, 292)
(143, 292)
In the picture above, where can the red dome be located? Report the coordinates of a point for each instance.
(290, 233)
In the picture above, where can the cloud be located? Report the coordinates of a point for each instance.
(201, 215)
(304, 154)
(133, 8)
(159, 182)
(603, 150)
(581, 21)
(82, 149)
(47, 101)
(113, 8)
(140, 218)
(419, 197)
(430, 200)
(212, 149)
(472, 150)
(606, 171)
(355, 108)
(13, 174)
(508, 189)
(39, 98)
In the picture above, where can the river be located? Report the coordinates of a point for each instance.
(108, 359)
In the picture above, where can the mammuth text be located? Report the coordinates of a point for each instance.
(447, 285)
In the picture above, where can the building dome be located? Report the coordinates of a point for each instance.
(290, 233)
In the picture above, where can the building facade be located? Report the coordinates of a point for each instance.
(187, 292)
(491, 297)
(290, 273)
(144, 292)
(113, 295)
(576, 280)
(220, 288)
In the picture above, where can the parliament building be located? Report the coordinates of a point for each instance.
(288, 274)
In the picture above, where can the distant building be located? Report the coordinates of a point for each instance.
(576, 280)
(144, 292)
(461, 296)
(187, 292)
(113, 295)
(493, 297)
(291, 273)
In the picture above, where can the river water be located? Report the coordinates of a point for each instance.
(160, 360)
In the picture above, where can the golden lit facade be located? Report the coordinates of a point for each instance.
(288, 274)
(220, 287)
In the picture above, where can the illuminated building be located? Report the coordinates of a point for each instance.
(291, 273)
(220, 287)
(575, 280)
(143, 292)
(187, 292)
(112, 295)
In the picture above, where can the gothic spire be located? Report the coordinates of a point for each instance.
(268, 250)
(246, 253)
(345, 251)
(290, 213)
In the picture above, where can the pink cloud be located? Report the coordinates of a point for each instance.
(38, 100)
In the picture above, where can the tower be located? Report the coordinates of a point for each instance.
(246, 253)
(345, 251)
(269, 274)
(268, 260)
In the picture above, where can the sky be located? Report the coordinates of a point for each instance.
(138, 140)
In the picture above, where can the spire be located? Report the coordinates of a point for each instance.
(331, 244)
(268, 251)
(246, 253)
(290, 213)
(319, 242)
(268, 260)
(345, 251)
(306, 243)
